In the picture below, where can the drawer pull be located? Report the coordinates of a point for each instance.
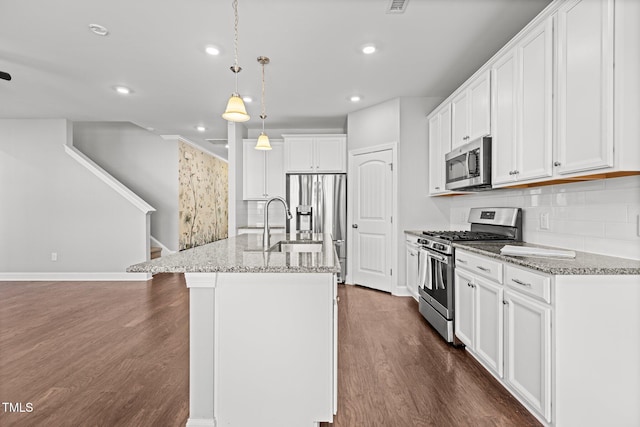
(460, 260)
(488, 270)
(528, 285)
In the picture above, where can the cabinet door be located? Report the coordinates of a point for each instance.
(436, 160)
(464, 308)
(528, 351)
(459, 119)
(489, 324)
(253, 171)
(412, 268)
(534, 140)
(274, 174)
(299, 154)
(503, 149)
(479, 107)
(585, 86)
(330, 154)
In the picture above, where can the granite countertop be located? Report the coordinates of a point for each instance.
(414, 233)
(244, 254)
(584, 263)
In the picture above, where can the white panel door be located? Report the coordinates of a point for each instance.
(459, 119)
(372, 208)
(503, 150)
(585, 86)
(330, 154)
(489, 324)
(528, 351)
(480, 107)
(253, 170)
(535, 57)
(299, 155)
(274, 173)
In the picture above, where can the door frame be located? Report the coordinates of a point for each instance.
(393, 146)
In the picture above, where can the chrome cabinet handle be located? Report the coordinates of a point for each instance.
(460, 260)
(488, 270)
(557, 163)
(505, 302)
(528, 285)
(437, 188)
(516, 172)
(354, 225)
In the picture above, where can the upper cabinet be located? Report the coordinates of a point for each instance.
(560, 109)
(521, 113)
(263, 171)
(471, 111)
(585, 86)
(439, 145)
(315, 153)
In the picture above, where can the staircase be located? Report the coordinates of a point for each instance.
(156, 252)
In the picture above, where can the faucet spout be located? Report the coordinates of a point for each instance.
(266, 237)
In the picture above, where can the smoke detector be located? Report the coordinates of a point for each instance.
(397, 6)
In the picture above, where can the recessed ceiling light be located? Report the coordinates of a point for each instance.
(212, 50)
(368, 49)
(122, 90)
(355, 98)
(98, 30)
(201, 128)
(247, 99)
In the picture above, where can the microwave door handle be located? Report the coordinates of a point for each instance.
(468, 165)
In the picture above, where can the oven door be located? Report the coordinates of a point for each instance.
(436, 281)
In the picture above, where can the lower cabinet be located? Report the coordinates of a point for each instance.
(527, 342)
(412, 254)
(479, 319)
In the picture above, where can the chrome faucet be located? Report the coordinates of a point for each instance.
(265, 237)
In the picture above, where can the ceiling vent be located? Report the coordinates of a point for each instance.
(397, 6)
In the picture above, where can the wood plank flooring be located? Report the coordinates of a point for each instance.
(116, 354)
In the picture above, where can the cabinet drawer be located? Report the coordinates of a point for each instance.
(528, 282)
(479, 265)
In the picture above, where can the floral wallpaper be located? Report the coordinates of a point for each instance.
(203, 197)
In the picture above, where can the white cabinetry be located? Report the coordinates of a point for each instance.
(478, 311)
(471, 111)
(315, 153)
(263, 171)
(412, 264)
(439, 145)
(521, 111)
(585, 86)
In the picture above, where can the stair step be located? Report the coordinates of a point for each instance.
(155, 252)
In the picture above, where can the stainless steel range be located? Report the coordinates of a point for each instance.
(436, 259)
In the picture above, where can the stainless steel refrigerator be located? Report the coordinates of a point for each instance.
(318, 203)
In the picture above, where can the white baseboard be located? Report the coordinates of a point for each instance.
(74, 277)
(402, 291)
(201, 422)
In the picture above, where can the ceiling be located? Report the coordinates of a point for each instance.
(61, 69)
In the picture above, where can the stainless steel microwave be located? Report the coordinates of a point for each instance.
(468, 167)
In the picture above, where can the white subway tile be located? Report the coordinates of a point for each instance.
(622, 231)
(594, 185)
(623, 195)
(578, 228)
(623, 182)
(604, 213)
(613, 247)
(568, 199)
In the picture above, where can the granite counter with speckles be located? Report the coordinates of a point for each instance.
(584, 263)
(244, 254)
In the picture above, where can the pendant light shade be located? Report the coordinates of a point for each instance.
(236, 111)
(263, 139)
(263, 142)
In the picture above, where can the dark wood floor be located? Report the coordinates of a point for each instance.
(116, 354)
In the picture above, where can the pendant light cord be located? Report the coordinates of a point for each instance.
(236, 69)
(263, 115)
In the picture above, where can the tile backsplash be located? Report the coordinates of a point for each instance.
(601, 216)
(255, 213)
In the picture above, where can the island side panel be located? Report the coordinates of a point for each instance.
(274, 357)
(201, 348)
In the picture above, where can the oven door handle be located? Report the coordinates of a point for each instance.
(437, 257)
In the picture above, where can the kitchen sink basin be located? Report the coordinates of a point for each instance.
(297, 246)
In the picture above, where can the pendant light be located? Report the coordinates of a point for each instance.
(263, 139)
(236, 111)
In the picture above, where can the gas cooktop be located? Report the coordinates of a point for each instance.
(461, 236)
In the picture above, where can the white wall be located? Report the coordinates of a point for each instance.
(378, 124)
(50, 203)
(144, 162)
(594, 216)
(236, 132)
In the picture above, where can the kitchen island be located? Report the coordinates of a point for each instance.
(262, 329)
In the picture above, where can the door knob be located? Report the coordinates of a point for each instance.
(354, 225)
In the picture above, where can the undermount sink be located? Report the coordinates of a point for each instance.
(297, 246)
